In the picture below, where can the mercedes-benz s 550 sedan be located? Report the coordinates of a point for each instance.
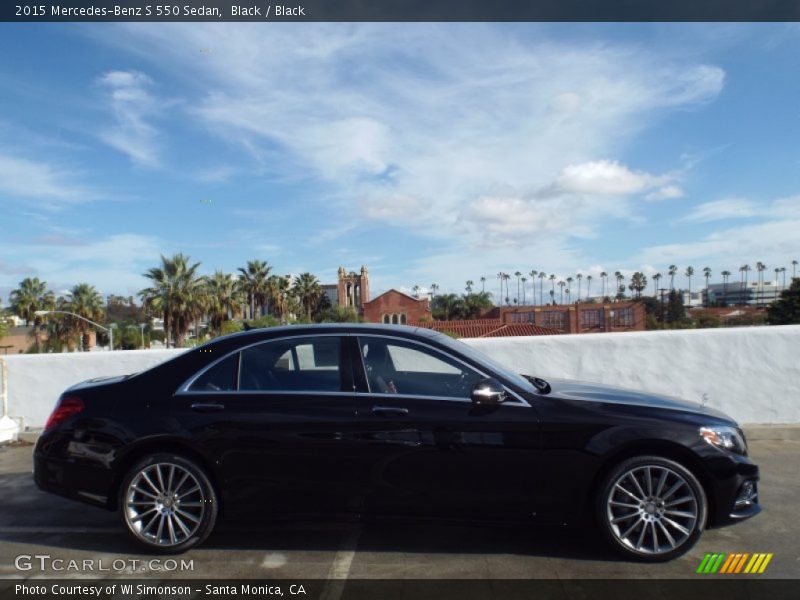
(389, 420)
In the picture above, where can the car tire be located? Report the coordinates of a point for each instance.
(167, 503)
(651, 508)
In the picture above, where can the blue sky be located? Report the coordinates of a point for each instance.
(430, 153)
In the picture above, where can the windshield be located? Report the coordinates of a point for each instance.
(470, 352)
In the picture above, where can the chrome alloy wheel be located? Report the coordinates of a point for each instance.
(164, 504)
(652, 509)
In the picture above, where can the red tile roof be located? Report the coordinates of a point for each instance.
(486, 328)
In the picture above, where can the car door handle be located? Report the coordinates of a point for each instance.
(389, 411)
(208, 406)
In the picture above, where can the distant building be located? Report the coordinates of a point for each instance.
(586, 317)
(736, 293)
(352, 289)
(477, 328)
(397, 308)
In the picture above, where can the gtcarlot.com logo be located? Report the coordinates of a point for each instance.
(741, 562)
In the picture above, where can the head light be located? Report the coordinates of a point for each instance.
(725, 438)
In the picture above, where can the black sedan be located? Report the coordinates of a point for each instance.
(389, 421)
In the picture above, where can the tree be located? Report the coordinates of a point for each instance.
(173, 295)
(760, 268)
(533, 273)
(656, 279)
(468, 286)
(506, 277)
(224, 298)
(638, 283)
(338, 314)
(707, 275)
(31, 296)
(562, 284)
(689, 272)
(517, 274)
(725, 276)
(580, 278)
(446, 307)
(472, 305)
(794, 269)
(786, 309)
(542, 277)
(307, 290)
(524, 281)
(569, 287)
(255, 284)
(744, 270)
(85, 301)
(434, 289)
(553, 290)
(673, 270)
(676, 312)
(483, 283)
(280, 288)
(603, 278)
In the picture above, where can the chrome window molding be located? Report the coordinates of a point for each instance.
(184, 389)
(512, 393)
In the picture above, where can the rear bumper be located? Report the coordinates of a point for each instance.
(72, 479)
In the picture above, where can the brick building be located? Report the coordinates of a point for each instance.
(575, 318)
(476, 328)
(397, 308)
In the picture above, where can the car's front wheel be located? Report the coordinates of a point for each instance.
(168, 503)
(651, 508)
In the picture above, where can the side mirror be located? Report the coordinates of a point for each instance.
(488, 392)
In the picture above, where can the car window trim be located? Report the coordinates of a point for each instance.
(184, 388)
(370, 393)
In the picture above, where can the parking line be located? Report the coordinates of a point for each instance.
(340, 569)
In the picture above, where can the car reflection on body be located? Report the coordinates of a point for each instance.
(389, 421)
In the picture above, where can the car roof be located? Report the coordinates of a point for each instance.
(304, 329)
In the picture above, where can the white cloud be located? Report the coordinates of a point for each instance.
(668, 192)
(445, 114)
(606, 177)
(36, 179)
(729, 208)
(134, 107)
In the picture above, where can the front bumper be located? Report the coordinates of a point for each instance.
(735, 489)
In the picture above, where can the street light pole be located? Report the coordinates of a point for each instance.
(64, 312)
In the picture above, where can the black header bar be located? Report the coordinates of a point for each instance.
(401, 10)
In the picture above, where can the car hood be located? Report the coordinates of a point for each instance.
(595, 392)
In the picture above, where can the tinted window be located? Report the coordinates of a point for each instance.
(219, 378)
(399, 367)
(298, 365)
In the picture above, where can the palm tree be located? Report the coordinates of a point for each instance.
(308, 291)
(32, 295)
(255, 283)
(434, 289)
(506, 277)
(524, 280)
(416, 289)
(84, 301)
(603, 278)
(569, 284)
(725, 276)
(620, 278)
(483, 284)
(673, 270)
(448, 306)
(280, 290)
(760, 268)
(517, 274)
(561, 284)
(707, 275)
(500, 277)
(794, 269)
(656, 279)
(173, 295)
(533, 273)
(783, 270)
(469, 285)
(553, 291)
(689, 272)
(638, 283)
(580, 277)
(224, 298)
(744, 270)
(542, 277)
(588, 286)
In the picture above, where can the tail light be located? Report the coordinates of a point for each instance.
(66, 407)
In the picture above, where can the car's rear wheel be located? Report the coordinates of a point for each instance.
(651, 508)
(168, 503)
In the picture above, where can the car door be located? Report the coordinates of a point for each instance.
(278, 420)
(433, 452)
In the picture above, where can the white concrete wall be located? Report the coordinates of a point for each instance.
(35, 381)
(751, 373)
